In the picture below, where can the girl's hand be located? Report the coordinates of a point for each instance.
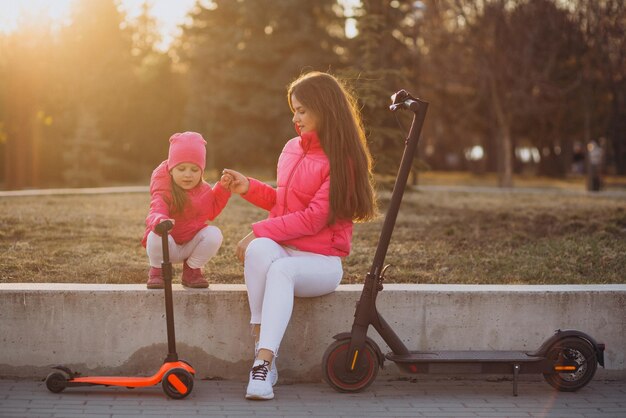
(242, 245)
(155, 228)
(240, 183)
(226, 180)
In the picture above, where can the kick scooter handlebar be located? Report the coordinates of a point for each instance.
(403, 100)
(164, 227)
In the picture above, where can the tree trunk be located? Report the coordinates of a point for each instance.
(505, 157)
(617, 132)
(18, 165)
(505, 176)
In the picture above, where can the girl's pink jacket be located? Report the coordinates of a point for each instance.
(205, 203)
(300, 205)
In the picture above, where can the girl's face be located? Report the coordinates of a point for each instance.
(186, 175)
(303, 117)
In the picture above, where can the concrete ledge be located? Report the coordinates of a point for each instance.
(120, 329)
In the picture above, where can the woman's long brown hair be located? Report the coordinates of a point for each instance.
(342, 137)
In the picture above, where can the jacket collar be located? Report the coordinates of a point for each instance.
(309, 141)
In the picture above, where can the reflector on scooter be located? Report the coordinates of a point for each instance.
(177, 383)
(356, 354)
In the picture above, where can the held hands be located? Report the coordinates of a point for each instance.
(240, 251)
(234, 181)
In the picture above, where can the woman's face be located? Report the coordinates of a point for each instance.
(304, 118)
(186, 175)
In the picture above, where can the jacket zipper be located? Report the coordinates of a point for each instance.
(289, 179)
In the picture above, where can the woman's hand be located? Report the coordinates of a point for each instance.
(242, 245)
(238, 183)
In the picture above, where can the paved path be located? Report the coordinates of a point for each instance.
(426, 398)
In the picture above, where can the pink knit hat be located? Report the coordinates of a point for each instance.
(188, 147)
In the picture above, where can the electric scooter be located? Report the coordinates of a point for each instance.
(175, 375)
(568, 359)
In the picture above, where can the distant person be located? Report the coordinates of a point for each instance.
(596, 159)
(179, 193)
(578, 158)
(324, 183)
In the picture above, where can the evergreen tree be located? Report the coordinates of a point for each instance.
(85, 155)
(25, 60)
(377, 72)
(241, 55)
(157, 99)
(98, 76)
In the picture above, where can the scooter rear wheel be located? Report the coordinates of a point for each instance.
(336, 374)
(56, 382)
(177, 383)
(567, 351)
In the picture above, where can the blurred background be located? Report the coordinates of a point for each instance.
(91, 90)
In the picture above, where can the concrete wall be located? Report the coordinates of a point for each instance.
(120, 329)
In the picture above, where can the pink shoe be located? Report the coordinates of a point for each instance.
(193, 277)
(155, 278)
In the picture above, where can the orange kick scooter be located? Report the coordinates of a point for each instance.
(175, 375)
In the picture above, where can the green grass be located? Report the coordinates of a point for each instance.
(440, 237)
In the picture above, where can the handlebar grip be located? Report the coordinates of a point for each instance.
(163, 227)
(410, 104)
(403, 100)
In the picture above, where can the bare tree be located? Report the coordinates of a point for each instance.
(516, 72)
(604, 98)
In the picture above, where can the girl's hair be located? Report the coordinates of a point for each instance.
(342, 137)
(179, 198)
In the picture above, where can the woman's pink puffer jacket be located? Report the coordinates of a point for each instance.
(300, 205)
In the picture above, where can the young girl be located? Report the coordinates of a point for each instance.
(324, 183)
(178, 193)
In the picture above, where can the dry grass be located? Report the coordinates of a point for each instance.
(440, 237)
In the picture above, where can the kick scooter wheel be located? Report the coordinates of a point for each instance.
(177, 383)
(571, 352)
(56, 382)
(337, 375)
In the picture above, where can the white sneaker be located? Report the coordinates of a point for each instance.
(273, 371)
(260, 386)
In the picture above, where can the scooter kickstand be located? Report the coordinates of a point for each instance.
(515, 374)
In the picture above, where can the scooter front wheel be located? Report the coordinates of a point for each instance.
(337, 375)
(574, 363)
(177, 383)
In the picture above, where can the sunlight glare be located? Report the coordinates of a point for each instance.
(168, 14)
(14, 13)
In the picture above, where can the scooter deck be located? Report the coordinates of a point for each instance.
(470, 361)
(463, 357)
(131, 382)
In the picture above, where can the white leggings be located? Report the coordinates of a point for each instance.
(197, 252)
(274, 275)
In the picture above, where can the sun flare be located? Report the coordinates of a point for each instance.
(14, 13)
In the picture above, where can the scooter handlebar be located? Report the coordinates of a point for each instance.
(164, 227)
(403, 100)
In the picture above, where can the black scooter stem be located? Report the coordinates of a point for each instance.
(399, 186)
(366, 313)
(163, 228)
